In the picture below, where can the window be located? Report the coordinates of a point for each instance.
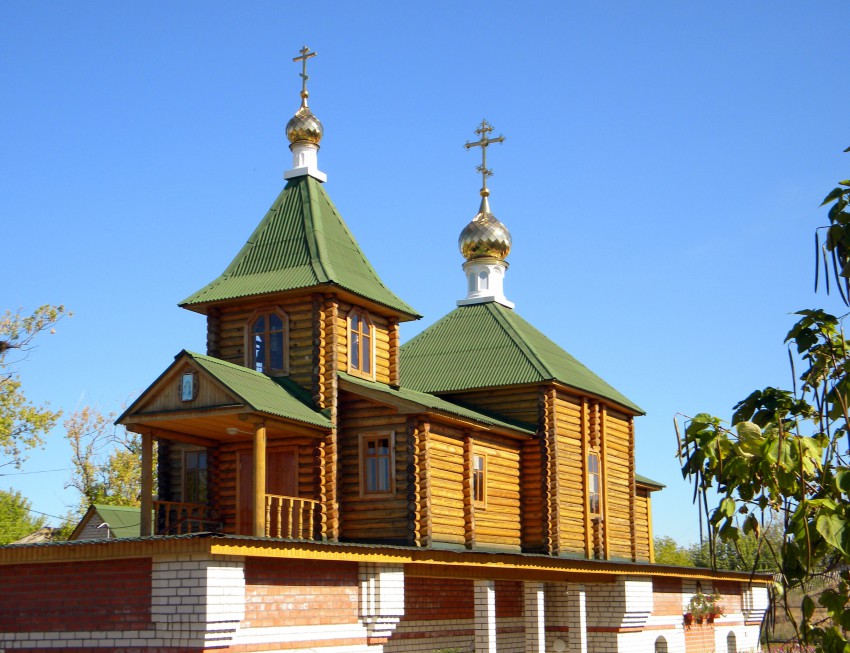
(479, 480)
(593, 484)
(267, 342)
(359, 343)
(376, 463)
(195, 476)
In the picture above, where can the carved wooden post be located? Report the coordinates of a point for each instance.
(260, 480)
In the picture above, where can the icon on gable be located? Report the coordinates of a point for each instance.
(188, 386)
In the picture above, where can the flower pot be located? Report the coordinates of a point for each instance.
(689, 618)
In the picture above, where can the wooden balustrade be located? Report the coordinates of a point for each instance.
(290, 517)
(178, 518)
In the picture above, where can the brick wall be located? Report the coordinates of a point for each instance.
(299, 594)
(81, 596)
(730, 596)
(509, 599)
(699, 638)
(439, 613)
(666, 596)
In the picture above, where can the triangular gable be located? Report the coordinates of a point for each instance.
(220, 387)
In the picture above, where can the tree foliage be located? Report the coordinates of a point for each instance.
(106, 460)
(16, 519)
(786, 453)
(22, 423)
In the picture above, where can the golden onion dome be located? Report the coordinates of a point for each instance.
(304, 127)
(485, 236)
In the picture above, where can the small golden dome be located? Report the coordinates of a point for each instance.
(485, 236)
(304, 127)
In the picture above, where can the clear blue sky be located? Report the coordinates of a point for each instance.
(661, 177)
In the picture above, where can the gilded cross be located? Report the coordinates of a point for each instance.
(305, 54)
(483, 142)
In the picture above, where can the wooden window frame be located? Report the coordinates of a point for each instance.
(249, 341)
(367, 319)
(480, 503)
(598, 474)
(185, 476)
(363, 440)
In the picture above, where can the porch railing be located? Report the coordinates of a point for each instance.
(290, 517)
(179, 518)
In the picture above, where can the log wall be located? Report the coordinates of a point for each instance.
(379, 516)
(381, 332)
(572, 479)
(643, 533)
(228, 340)
(619, 483)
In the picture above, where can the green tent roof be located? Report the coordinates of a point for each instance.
(302, 242)
(275, 396)
(431, 402)
(485, 345)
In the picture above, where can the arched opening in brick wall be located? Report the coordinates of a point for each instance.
(660, 645)
(731, 643)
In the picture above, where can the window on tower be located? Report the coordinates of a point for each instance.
(360, 350)
(594, 486)
(267, 342)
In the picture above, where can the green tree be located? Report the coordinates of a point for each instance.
(106, 460)
(16, 519)
(668, 552)
(22, 423)
(787, 453)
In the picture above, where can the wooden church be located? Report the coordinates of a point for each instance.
(310, 483)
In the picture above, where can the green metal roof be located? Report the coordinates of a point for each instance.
(302, 242)
(123, 520)
(486, 345)
(431, 402)
(645, 480)
(262, 393)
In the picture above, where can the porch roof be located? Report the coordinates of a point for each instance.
(430, 403)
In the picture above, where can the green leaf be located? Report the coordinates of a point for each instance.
(832, 529)
(834, 194)
(808, 607)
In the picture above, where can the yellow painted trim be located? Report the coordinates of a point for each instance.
(421, 562)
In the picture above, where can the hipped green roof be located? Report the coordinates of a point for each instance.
(486, 345)
(433, 403)
(302, 242)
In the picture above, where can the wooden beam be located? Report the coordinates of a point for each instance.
(649, 528)
(260, 481)
(164, 434)
(147, 485)
(585, 451)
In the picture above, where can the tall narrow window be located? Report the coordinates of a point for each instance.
(359, 343)
(593, 484)
(479, 480)
(267, 342)
(376, 460)
(195, 477)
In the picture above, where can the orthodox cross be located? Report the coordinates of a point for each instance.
(305, 54)
(482, 131)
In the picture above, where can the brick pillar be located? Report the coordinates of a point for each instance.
(381, 599)
(197, 600)
(577, 617)
(535, 617)
(485, 616)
